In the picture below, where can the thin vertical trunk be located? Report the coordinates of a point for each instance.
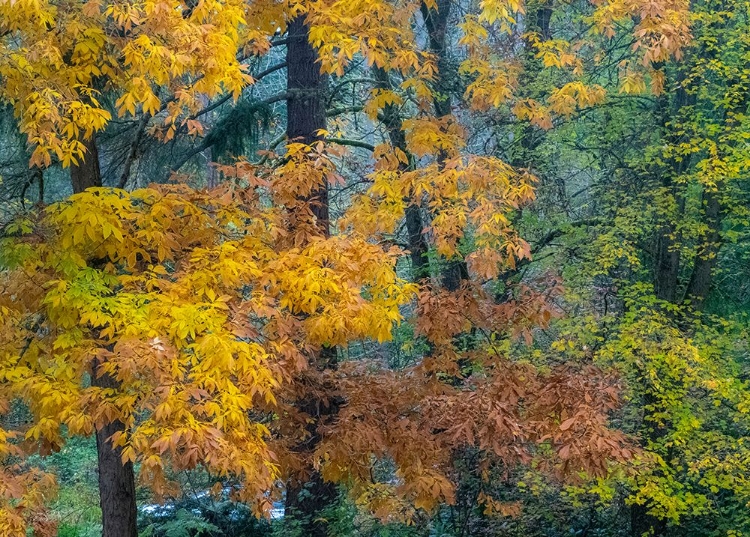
(436, 21)
(418, 248)
(667, 255)
(543, 18)
(667, 263)
(643, 524)
(116, 480)
(40, 184)
(667, 269)
(307, 494)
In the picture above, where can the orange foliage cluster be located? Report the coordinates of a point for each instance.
(455, 399)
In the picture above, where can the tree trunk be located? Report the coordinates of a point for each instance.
(436, 21)
(305, 106)
(420, 265)
(642, 523)
(116, 480)
(700, 280)
(307, 494)
(667, 268)
(86, 174)
(667, 256)
(418, 248)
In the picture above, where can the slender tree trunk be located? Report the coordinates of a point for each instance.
(418, 248)
(116, 480)
(39, 174)
(666, 281)
(642, 523)
(307, 494)
(436, 21)
(667, 262)
(667, 269)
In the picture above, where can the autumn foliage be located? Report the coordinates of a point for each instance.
(206, 307)
(211, 311)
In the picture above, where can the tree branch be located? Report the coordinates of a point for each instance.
(351, 143)
(140, 130)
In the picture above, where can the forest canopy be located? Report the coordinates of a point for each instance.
(374, 267)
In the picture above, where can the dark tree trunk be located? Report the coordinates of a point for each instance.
(667, 270)
(86, 174)
(116, 480)
(39, 174)
(305, 106)
(454, 272)
(420, 265)
(543, 18)
(307, 494)
(700, 280)
(667, 266)
(436, 21)
(642, 523)
(667, 260)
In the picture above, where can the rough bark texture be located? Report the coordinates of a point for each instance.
(420, 265)
(436, 21)
(667, 262)
(86, 174)
(543, 18)
(116, 480)
(642, 523)
(305, 106)
(667, 268)
(307, 494)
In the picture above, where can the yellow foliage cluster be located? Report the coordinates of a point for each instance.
(164, 57)
(378, 31)
(469, 197)
(56, 58)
